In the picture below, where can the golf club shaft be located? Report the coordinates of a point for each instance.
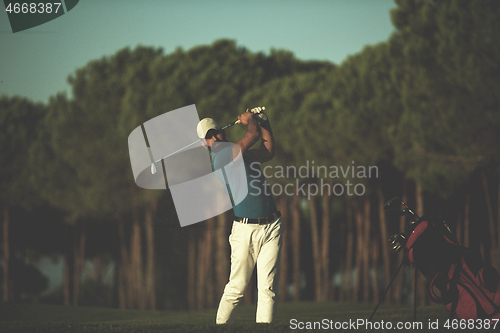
(227, 126)
(178, 150)
(153, 168)
(233, 123)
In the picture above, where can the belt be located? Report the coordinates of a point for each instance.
(260, 220)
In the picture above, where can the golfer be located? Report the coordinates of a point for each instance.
(257, 228)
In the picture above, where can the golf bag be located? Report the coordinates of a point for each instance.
(467, 286)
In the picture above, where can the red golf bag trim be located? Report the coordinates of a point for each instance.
(413, 238)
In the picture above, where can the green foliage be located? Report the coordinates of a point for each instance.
(19, 123)
(54, 178)
(87, 135)
(85, 140)
(366, 106)
(425, 101)
(113, 95)
(284, 98)
(335, 115)
(215, 77)
(451, 123)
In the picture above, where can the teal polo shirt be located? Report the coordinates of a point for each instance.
(259, 201)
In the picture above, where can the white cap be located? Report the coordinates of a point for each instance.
(205, 125)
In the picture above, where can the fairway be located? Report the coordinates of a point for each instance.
(52, 318)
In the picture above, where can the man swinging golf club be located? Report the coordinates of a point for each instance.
(257, 228)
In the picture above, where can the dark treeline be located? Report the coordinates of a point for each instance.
(416, 116)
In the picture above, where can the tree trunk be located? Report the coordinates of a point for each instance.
(8, 283)
(124, 286)
(350, 253)
(136, 255)
(210, 263)
(222, 253)
(422, 298)
(191, 278)
(201, 276)
(366, 249)
(313, 214)
(283, 274)
(466, 219)
(362, 284)
(491, 221)
(79, 260)
(68, 268)
(296, 246)
(339, 286)
(205, 294)
(383, 232)
(398, 282)
(150, 250)
(325, 255)
(359, 263)
(374, 259)
(136, 272)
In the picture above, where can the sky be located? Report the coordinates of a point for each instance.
(36, 63)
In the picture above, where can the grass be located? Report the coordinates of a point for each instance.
(52, 318)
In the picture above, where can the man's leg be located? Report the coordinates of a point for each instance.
(268, 272)
(242, 265)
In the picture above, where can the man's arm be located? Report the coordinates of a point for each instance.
(266, 151)
(251, 136)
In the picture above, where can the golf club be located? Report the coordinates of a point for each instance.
(153, 167)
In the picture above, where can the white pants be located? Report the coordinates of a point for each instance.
(253, 244)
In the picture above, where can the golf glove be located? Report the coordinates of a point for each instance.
(261, 117)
